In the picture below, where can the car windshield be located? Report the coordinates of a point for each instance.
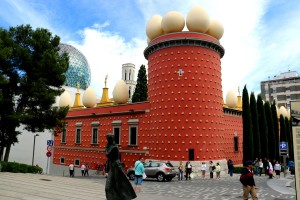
(169, 164)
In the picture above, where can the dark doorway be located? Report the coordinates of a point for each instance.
(191, 154)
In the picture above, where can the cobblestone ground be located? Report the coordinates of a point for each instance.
(40, 187)
(219, 189)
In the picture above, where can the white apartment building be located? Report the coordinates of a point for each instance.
(282, 88)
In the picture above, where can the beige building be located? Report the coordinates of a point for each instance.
(283, 88)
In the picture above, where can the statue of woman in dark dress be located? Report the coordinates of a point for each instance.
(117, 185)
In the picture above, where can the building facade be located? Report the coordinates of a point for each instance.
(283, 89)
(183, 120)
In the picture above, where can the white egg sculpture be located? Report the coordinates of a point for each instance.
(65, 99)
(153, 28)
(215, 29)
(120, 92)
(89, 97)
(282, 111)
(288, 113)
(197, 20)
(231, 99)
(172, 21)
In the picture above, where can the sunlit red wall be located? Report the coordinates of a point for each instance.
(233, 127)
(186, 111)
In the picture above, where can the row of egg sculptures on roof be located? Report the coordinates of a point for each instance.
(120, 96)
(197, 20)
(232, 100)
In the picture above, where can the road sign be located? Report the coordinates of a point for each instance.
(49, 148)
(50, 142)
(48, 154)
(283, 146)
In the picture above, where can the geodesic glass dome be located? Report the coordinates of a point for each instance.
(79, 69)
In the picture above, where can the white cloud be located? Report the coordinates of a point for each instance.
(106, 52)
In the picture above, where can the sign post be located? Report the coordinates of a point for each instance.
(49, 152)
(283, 151)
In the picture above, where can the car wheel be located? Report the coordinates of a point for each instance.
(168, 179)
(160, 177)
(131, 176)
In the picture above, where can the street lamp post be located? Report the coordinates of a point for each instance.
(33, 147)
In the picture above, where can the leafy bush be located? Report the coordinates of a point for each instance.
(237, 169)
(19, 168)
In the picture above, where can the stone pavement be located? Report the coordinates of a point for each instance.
(41, 187)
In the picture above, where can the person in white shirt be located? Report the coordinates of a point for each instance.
(277, 168)
(270, 169)
(82, 170)
(203, 169)
(188, 170)
(71, 169)
(260, 166)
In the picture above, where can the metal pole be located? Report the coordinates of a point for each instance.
(33, 149)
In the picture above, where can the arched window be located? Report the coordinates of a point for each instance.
(129, 91)
(125, 74)
(129, 75)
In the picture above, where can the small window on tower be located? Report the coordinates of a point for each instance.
(236, 143)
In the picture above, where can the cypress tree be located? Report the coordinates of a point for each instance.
(289, 135)
(276, 129)
(283, 137)
(247, 128)
(271, 134)
(254, 118)
(263, 129)
(141, 90)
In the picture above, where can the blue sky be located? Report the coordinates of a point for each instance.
(261, 37)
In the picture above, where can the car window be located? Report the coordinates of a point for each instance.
(154, 164)
(147, 164)
(169, 164)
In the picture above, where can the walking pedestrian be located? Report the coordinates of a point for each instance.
(203, 169)
(82, 170)
(256, 166)
(270, 169)
(71, 170)
(261, 166)
(211, 169)
(87, 168)
(247, 180)
(230, 167)
(138, 174)
(218, 171)
(277, 168)
(180, 171)
(188, 170)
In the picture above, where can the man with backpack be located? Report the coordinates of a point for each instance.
(247, 180)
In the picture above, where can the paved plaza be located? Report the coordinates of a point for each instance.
(41, 187)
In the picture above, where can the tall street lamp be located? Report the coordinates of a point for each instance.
(33, 147)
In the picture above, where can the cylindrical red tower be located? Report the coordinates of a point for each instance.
(185, 94)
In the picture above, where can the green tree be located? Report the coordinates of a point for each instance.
(271, 134)
(289, 136)
(256, 134)
(248, 153)
(141, 90)
(276, 129)
(283, 137)
(32, 75)
(263, 129)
